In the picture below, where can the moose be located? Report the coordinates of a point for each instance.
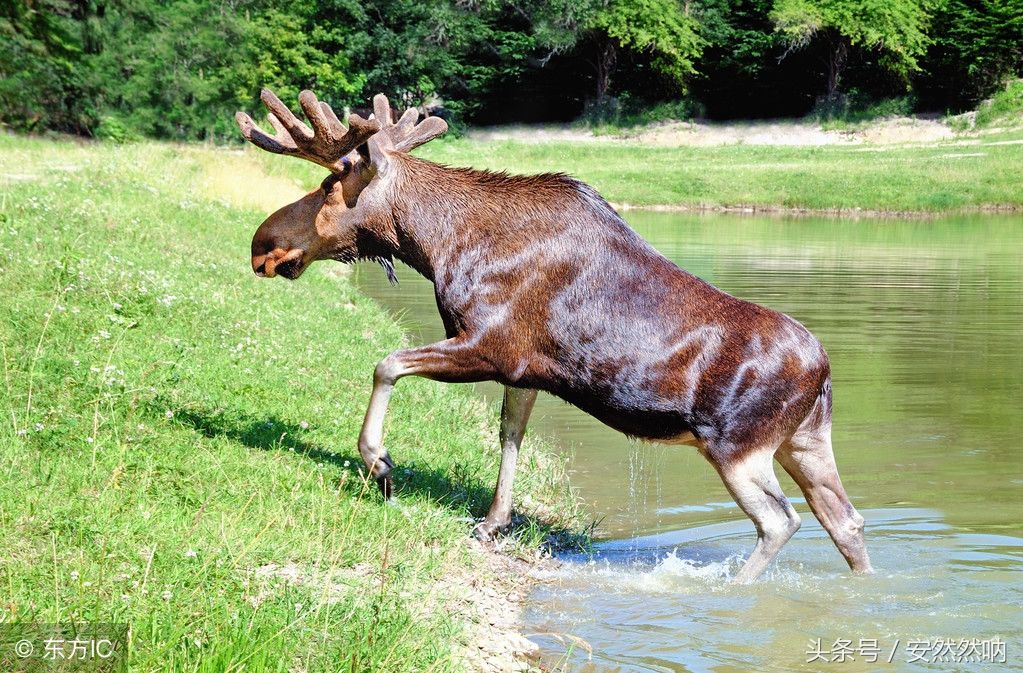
(541, 285)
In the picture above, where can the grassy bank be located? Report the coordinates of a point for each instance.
(177, 442)
(972, 173)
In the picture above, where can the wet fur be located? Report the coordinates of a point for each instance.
(560, 294)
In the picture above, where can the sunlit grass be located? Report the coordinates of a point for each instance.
(970, 173)
(178, 437)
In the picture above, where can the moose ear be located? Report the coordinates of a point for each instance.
(403, 135)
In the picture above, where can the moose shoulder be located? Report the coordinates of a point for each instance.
(542, 286)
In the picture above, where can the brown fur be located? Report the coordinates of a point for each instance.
(542, 286)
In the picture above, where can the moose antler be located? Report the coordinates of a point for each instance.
(405, 135)
(326, 144)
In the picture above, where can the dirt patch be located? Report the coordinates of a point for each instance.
(535, 134)
(894, 131)
(906, 130)
(696, 134)
(490, 601)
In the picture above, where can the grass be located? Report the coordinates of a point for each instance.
(178, 437)
(931, 177)
(925, 178)
(1004, 108)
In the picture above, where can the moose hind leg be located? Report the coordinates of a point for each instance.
(518, 404)
(754, 486)
(808, 458)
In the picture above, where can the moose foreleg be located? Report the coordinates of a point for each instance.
(450, 361)
(518, 404)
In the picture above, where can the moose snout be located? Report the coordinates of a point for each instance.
(287, 263)
(259, 265)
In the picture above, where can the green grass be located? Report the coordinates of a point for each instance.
(931, 177)
(178, 437)
(1005, 107)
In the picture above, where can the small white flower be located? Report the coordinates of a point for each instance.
(167, 595)
(190, 553)
(38, 427)
(22, 432)
(89, 440)
(348, 463)
(304, 425)
(74, 575)
(147, 515)
(298, 607)
(169, 414)
(104, 334)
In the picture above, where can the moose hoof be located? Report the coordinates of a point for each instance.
(486, 531)
(386, 485)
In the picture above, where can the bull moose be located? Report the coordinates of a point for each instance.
(542, 286)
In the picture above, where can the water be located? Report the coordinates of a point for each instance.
(923, 321)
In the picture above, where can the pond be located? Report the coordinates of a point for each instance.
(923, 321)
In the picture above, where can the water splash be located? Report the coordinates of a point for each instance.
(665, 602)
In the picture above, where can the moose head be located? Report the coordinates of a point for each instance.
(328, 223)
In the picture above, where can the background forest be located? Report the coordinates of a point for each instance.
(180, 68)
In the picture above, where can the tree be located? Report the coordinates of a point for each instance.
(979, 47)
(663, 29)
(41, 55)
(895, 28)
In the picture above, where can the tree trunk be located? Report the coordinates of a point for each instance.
(836, 64)
(606, 60)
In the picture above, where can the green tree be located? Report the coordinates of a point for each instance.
(181, 69)
(662, 29)
(41, 50)
(895, 28)
(979, 47)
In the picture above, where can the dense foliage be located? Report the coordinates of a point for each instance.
(180, 68)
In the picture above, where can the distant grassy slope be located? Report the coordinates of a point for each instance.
(177, 441)
(981, 172)
(1005, 108)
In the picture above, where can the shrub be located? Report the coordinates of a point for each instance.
(114, 129)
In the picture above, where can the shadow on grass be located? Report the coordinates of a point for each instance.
(459, 489)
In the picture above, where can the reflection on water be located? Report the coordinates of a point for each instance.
(923, 322)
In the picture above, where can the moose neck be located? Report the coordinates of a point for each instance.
(431, 208)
